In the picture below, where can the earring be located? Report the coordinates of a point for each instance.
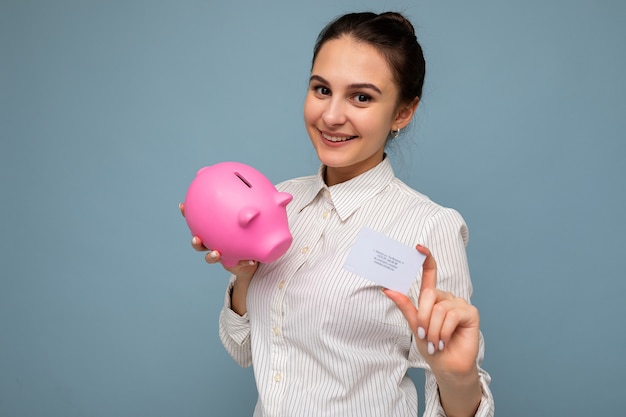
(395, 133)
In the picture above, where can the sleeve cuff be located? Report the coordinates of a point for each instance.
(487, 406)
(236, 326)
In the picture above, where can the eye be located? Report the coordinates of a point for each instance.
(322, 90)
(362, 98)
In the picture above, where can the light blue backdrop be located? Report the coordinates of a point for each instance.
(109, 108)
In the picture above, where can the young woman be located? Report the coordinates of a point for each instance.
(324, 341)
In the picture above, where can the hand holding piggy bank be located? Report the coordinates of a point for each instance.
(236, 210)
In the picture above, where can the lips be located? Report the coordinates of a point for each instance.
(336, 139)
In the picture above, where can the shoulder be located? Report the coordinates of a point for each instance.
(432, 215)
(300, 187)
(409, 198)
(397, 186)
(296, 184)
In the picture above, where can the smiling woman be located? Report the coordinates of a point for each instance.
(351, 106)
(325, 341)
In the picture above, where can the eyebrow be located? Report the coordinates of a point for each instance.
(351, 86)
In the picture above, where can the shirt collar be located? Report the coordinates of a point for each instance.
(348, 196)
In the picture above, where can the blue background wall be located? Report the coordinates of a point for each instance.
(107, 109)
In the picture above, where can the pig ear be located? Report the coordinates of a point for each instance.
(282, 199)
(246, 215)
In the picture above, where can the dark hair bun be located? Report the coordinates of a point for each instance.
(400, 19)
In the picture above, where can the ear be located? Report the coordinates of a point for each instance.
(282, 199)
(405, 114)
(246, 215)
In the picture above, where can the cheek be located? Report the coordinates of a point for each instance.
(371, 123)
(385, 122)
(312, 109)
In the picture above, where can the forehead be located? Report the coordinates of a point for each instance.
(345, 60)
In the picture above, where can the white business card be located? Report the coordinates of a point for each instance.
(384, 261)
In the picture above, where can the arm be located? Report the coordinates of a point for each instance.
(446, 334)
(234, 331)
(448, 342)
(234, 327)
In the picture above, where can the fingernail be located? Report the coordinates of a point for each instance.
(180, 205)
(431, 348)
(441, 345)
(213, 254)
(250, 262)
(421, 333)
(195, 240)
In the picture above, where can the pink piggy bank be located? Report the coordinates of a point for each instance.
(237, 211)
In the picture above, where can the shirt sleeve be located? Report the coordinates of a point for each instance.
(446, 235)
(234, 330)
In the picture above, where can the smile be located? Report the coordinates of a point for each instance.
(337, 138)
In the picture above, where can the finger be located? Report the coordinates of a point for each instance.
(461, 316)
(427, 300)
(428, 291)
(441, 323)
(197, 244)
(437, 318)
(243, 269)
(212, 257)
(181, 207)
(449, 326)
(405, 305)
(429, 268)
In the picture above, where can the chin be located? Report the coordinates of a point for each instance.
(330, 160)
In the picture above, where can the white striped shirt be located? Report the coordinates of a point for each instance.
(327, 342)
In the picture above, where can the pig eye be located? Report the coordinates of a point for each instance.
(243, 179)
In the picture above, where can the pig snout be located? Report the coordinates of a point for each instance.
(267, 233)
(274, 246)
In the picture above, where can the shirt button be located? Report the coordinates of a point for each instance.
(325, 215)
(276, 331)
(304, 249)
(277, 377)
(281, 284)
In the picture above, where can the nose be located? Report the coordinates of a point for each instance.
(335, 112)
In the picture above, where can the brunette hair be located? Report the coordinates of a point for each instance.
(393, 36)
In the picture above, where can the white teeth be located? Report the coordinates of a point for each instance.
(337, 139)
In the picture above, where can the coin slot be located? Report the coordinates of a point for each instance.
(243, 179)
